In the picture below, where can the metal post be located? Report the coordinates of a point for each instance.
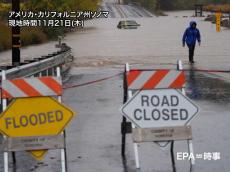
(201, 11)
(198, 10)
(123, 125)
(14, 158)
(47, 72)
(172, 156)
(191, 151)
(4, 106)
(16, 36)
(135, 145)
(179, 67)
(63, 151)
(190, 144)
(123, 138)
(53, 71)
(59, 41)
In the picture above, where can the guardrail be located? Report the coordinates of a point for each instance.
(43, 66)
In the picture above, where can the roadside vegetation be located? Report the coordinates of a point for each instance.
(36, 35)
(158, 5)
(5, 40)
(223, 7)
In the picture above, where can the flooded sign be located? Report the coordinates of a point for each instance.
(159, 108)
(38, 116)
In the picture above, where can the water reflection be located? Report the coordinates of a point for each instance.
(195, 92)
(127, 167)
(207, 86)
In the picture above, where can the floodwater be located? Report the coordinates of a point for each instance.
(101, 50)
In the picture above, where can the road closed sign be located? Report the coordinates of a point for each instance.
(159, 108)
(37, 116)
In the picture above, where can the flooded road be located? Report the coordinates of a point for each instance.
(101, 50)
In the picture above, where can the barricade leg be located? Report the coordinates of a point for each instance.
(192, 161)
(63, 151)
(135, 145)
(190, 144)
(136, 154)
(123, 137)
(4, 106)
(172, 156)
(123, 125)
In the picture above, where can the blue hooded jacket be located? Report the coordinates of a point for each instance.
(191, 35)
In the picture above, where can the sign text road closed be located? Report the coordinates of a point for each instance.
(159, 108)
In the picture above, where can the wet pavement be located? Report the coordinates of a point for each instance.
(101, 50)
(95, 134)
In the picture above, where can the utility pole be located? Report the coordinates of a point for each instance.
(16, 43)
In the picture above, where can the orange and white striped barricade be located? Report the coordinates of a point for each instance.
(34, 88)
(136, 80)
(149, 80)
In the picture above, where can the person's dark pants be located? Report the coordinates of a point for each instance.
(191, 52)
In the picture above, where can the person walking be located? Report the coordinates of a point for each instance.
(191, 35)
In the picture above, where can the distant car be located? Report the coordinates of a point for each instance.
(127, 24)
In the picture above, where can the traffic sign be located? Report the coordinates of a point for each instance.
(218, 21)
(37, 116)
(159, 108)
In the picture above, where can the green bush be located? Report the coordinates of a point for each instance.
(53, 33)
(4, 9)
(32, 35)
(5, 37)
